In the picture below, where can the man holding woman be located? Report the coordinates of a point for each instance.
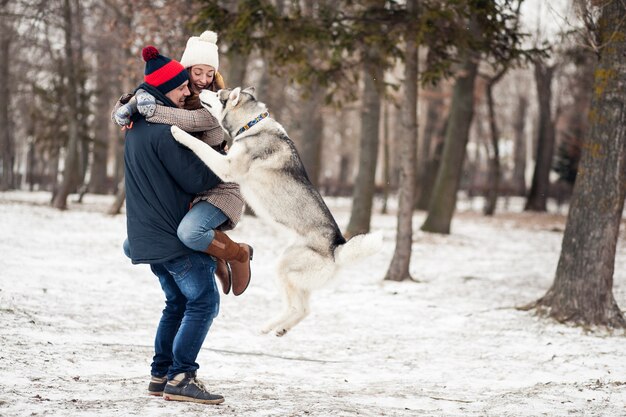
(162, 179)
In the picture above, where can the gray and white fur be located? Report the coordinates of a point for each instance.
(265, 163)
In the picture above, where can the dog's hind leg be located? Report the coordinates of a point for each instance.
(300, 270)
(296, 308)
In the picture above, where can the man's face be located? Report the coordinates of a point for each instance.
(179, 94)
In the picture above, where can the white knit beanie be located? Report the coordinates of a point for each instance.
(201, 50)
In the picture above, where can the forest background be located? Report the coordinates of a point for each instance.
(425, 100)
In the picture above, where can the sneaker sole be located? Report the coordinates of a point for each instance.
(155, 393)
(170, 397)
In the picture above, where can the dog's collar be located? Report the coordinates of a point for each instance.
(253, 122)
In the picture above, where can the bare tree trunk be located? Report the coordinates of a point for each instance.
(271, 88)
(116, 207)
(70, 174)
(312, 134)
(84, 139)
(538, 195)
(311, 119)
(7, 154)
(399, 267)
(582, 291)
(425, 167)
(102, 124)
(386, 173)
(519, 152)
(346, 161)
(364, 184)
(493, 175)
(52, 170)
(443, 201)
(237, 68)
(271, 91)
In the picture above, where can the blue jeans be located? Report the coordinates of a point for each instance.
(191, 303)
(196, 229)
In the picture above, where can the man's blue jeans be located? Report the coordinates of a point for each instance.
(191, 303)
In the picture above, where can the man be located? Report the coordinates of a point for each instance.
(161, 179)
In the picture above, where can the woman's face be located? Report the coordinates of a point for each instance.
(202, 76)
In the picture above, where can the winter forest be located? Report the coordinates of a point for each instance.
(484, 139)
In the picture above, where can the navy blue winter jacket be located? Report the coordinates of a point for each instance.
(161, 178)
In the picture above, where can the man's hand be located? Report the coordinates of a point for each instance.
(146, 103)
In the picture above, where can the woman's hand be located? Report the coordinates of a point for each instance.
(146, 103)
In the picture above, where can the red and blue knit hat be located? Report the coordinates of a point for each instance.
(161, 72)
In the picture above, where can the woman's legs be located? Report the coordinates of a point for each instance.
(197, 229)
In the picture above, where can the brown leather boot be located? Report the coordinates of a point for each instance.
(238, 256)
(223, 274)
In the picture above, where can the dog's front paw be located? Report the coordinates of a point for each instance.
(280, 332)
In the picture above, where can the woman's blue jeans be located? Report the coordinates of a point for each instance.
(191, 303)
(197, 229)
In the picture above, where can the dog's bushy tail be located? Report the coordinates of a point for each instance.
(358, 247)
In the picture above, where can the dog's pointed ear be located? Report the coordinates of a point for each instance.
(250, 90)
(234, 96)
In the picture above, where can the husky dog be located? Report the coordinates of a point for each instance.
(265, 163)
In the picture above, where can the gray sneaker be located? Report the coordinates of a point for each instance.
(186, 387)
(157, 384)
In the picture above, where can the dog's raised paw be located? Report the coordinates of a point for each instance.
(281, 332)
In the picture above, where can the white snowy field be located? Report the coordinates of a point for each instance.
(77, 322)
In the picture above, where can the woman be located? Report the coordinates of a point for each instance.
(220, 208)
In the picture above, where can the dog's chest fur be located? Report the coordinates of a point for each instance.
(278, 189)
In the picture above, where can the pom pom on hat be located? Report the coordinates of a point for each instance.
(149, 52)
(201, 50)
(209, 36)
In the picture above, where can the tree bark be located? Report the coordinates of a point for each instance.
(237, 68)
(399, 267)
(519, 152)
(443, 201)
(364, 184)
(70, 170)
(116, 207)
(538, 195)
(312, 134)
(7, 153)
(311, 116)
(427, 167)
(582, 288)
(386, 173)
(98, 181)
(493, 174)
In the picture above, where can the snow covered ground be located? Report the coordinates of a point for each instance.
(77, 322)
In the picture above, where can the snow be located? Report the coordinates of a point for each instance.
(77, 322)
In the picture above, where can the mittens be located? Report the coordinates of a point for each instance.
(146, 103)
